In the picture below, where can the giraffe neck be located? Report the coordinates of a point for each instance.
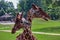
(29, 17)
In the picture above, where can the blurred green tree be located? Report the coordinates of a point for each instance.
(25, 5)
(6, 7)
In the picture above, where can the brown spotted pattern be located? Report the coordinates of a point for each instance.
(34, 12)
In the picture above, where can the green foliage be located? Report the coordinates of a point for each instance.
(52, 7)
(6, 7)
(25, 5)
(49, 6)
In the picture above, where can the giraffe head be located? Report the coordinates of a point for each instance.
(37, 12)
(18, 21)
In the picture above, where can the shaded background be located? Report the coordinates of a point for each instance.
(52, 7)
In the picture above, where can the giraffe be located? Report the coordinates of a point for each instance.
(25, 23)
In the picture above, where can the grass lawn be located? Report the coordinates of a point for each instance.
(40, 26)
(9, 36)
(37, 25)
(5, 27)
(46, 26)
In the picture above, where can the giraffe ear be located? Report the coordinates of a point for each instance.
(34, 6)
(21, 14)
